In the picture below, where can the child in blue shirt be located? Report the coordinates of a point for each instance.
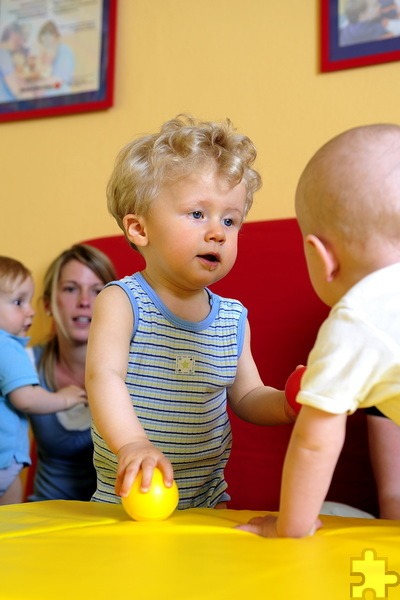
(20, 392)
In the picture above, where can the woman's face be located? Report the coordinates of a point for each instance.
(77, 290)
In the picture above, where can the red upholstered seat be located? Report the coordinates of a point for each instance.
(271, 279)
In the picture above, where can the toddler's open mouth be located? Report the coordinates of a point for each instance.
(210, 257)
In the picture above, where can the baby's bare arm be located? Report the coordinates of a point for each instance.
(313, 451)
(253, 401)
(384, 447)
(111, 405)
(36, 400)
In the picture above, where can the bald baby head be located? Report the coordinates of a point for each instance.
(350, 188)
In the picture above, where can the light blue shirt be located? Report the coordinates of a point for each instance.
(178, 374)
(16, 370)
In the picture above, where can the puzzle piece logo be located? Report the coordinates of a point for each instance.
(375, 577)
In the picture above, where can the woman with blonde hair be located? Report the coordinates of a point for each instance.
(64, 446)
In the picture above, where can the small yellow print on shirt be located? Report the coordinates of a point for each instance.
(185, 364)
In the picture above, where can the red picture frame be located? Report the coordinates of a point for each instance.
(348, 42)
(56, 63)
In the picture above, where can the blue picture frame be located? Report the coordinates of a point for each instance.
(54, 102)
(337, 54)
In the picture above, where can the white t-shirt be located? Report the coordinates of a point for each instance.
(355, 361)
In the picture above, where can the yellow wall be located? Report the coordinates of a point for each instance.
(255, 62)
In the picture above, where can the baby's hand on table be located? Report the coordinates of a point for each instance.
(267, 527)
(264, 526)
(140, 455)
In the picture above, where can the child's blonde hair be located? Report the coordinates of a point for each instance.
(182, 146)
(12, 272)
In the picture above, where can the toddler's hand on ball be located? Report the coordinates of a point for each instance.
(141, 455)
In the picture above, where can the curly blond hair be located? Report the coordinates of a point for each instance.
(182, 146)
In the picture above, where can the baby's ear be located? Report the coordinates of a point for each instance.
(325, 255)
(135, 230)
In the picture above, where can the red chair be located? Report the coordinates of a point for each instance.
(270, 278)
(29, 476)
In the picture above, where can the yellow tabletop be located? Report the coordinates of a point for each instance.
(72, 550)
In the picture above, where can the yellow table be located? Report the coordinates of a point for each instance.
(72, 550)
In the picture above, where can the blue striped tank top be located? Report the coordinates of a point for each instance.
(177, 376)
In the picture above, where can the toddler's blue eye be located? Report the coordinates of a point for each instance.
(197, 214)
(228, 222)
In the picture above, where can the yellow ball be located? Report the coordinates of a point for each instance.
(156, 504)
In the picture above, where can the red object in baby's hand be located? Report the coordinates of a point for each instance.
(292, 387)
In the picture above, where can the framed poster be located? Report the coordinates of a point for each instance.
(56, 57)
(356, 33)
